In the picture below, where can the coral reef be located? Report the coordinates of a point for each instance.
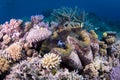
(60, 49)
(51, 60)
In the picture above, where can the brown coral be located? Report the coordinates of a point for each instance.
(4, 65)
(91, 71)
(15, 51)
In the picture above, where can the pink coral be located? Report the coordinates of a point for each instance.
(37, 34)
(11, 27)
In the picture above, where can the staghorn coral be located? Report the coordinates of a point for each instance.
(4, 65)
(65, 14)
(37, 34)
(51, 60)
(15, 51)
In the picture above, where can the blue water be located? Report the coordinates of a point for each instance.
(106, 9)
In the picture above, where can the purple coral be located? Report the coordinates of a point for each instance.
(115, 73)
(38, 34)
(36, 19)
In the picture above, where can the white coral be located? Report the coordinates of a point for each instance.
(51, 60)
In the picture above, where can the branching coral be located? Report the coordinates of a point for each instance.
(13, 26)
(15, 51)
(29, 69)
(36, 19)
(51, 60)
(65, 14)
(37, 34)
(4, 65)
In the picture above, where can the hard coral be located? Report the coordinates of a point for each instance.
(13, 26)
(38, 34)
(115, 73)
(6, 39)
(65, 14)
(36, 19)
(4, 65)
(26, 70)
(15, 51)
(91, 71)
(51, 60)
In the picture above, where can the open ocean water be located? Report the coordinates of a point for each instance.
(105, 9)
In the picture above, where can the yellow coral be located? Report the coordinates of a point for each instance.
(15, 51)
(105, 34)
(4, 65)
(51, 60)
(103, 52)
(65, 52)
(94, 35)
(102, 45)
(85, 37)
